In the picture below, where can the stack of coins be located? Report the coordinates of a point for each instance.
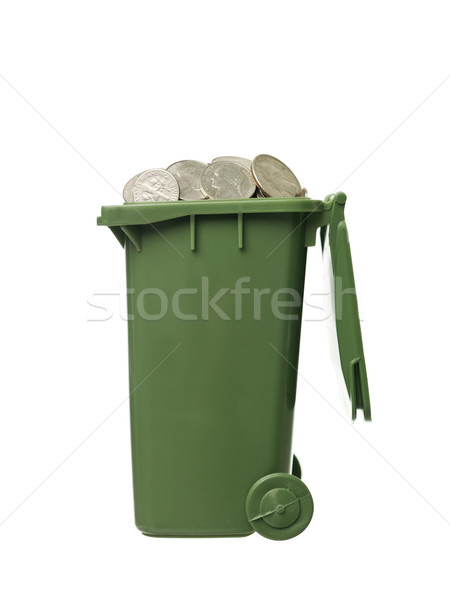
(225, 177)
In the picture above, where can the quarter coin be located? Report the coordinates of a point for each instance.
(156, 185)
(222, 179)
(274, 178)
(187, 173)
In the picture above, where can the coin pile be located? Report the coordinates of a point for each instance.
(224, 177)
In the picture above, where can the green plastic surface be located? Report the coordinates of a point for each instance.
(347, 322)
(212, 395)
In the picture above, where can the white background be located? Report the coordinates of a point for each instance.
(94, 92)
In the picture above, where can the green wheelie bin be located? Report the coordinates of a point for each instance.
(214, 314)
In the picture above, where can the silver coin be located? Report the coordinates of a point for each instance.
(245, 162)
(156, 185)
(274, 178)
(187, 173)
(128, 189)
(222, 179)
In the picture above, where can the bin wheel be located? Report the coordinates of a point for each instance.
(279, 506)
(296, 467)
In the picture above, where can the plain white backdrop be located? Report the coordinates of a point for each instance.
(353, 96)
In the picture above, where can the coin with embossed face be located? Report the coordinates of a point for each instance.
(187, 173)
(156, 185)
(226, 180)
(274, 178)
(245, 162)
(128, 189)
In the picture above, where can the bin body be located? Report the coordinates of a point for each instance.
(215, 299)
(212, 380)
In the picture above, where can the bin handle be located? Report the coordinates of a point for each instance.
(345, 305)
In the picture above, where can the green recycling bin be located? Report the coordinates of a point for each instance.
(214, 314)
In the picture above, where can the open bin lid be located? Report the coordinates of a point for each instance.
(334, 236)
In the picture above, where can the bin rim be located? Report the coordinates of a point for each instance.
(146, 213)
